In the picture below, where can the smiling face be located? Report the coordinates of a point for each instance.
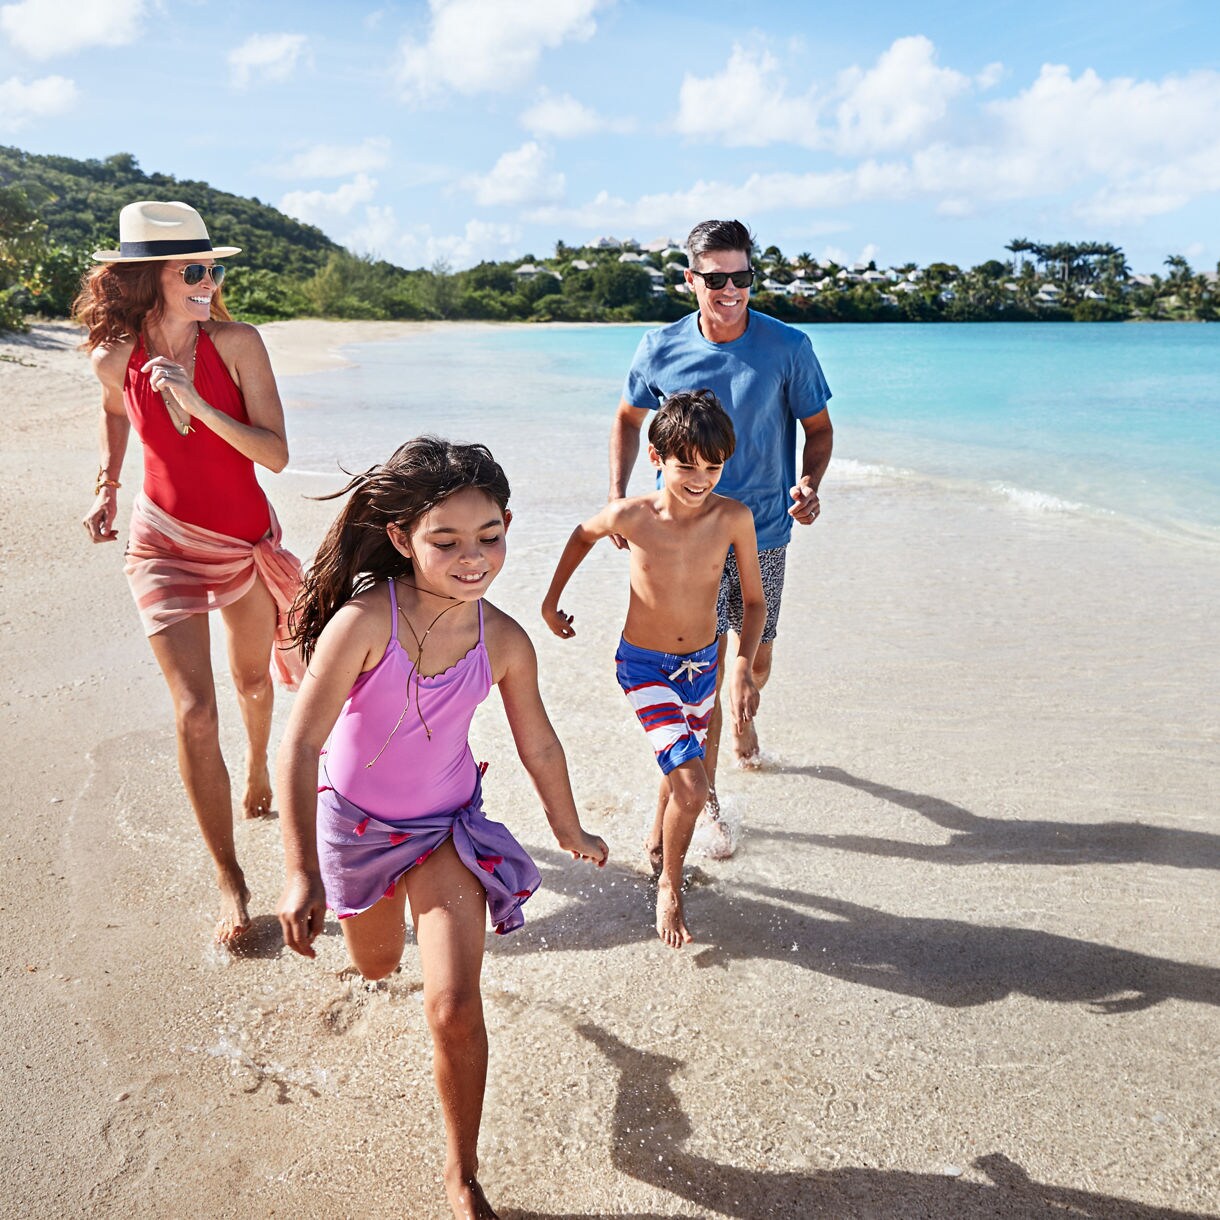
(723, 312)
(687, 481)
(457, 548)
(192, 303)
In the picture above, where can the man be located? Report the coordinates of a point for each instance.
(767, 377)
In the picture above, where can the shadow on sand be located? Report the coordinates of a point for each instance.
(978, 840)
(944, 961)
(649, 1130)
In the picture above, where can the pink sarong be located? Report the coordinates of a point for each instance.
(176, 570)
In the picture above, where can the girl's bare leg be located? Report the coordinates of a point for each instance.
(250, 623)
(184, 655)
(449, 909)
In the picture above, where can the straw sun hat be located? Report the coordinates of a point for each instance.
(151, 232)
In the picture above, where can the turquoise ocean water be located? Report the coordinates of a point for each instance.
(1117, 420)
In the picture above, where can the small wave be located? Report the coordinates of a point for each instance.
(1037, 501)
(848, 470)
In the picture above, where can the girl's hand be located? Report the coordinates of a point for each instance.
(585, 846)
(302, 911)
(99, 520)
(558, 622)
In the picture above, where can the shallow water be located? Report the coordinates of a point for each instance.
(1059, 418)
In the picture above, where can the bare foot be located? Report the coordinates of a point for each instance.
(467, 1199)
(234, 919)
(257, 801)
(671, 927)
(656, 857)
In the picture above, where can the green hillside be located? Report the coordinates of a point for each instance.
(54, 211)
(79, 202)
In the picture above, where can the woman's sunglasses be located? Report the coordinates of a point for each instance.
(716, 280)
(193, 273)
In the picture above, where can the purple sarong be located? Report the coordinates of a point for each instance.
(362, 857)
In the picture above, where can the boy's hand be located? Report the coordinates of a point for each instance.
(558, 622)
(302, 912)
(585, 846)
(743, 697)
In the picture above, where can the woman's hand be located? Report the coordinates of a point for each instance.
(167, 376)
(302, 911)
(99, 520)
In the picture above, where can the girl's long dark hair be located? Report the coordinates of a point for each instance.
(357, 552)
(116, 299)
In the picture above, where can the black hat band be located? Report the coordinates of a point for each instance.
(152, 249)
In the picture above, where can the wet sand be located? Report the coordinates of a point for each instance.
(964, 963)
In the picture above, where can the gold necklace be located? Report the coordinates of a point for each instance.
(419, 656)
(177, 416)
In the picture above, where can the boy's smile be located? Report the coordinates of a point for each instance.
(687, 482)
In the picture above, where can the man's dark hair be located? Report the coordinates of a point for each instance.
(692, 424)
(711, 235)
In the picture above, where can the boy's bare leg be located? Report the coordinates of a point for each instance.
(745, 744)
(687, 797)
(711, 746)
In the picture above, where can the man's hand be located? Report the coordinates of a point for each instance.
(805, 505)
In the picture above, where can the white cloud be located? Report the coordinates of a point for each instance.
(746, 105)
(267, 57)
(20, 103)
(519, 177)
(336, 160)
(1110, 152)
(377, 232)
(43, 29)
(476, 46)
(893, 104)
(324, 208)
(564, 118)
(899, 101)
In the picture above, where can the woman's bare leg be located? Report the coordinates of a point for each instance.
(449, 908)
(250, 623)
(184, 654)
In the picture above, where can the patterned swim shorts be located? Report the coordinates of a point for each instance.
(673, 697)
(728, 600)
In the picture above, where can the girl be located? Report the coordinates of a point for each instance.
(401, 649)
(199, 389)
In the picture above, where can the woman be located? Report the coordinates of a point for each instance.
(200, 391)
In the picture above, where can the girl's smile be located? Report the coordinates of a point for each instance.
(457, 548)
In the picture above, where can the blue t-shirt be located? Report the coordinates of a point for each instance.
(766, 380)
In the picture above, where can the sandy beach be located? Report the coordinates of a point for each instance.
(964, 963)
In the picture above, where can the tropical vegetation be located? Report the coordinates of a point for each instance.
(54, 211)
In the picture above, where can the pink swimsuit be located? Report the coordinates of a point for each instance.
(377, 821)
(414, 775)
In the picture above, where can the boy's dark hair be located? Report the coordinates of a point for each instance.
(692, 424)
(357, 552)
(712, 235)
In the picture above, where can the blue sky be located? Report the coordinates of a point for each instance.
(470, 129)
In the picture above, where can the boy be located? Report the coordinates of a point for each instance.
(679, 537)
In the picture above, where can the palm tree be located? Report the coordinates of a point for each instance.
(1018, 247)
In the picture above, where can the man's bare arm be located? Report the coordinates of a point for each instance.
(815, 457)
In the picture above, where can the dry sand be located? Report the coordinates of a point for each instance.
(963, 965)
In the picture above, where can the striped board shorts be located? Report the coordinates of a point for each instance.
(673, 697)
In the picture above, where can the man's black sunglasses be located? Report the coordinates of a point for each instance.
(716, 280)
(193, 273)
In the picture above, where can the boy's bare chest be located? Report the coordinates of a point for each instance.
(690, 551)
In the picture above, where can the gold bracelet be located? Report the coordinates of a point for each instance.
(101, 481)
